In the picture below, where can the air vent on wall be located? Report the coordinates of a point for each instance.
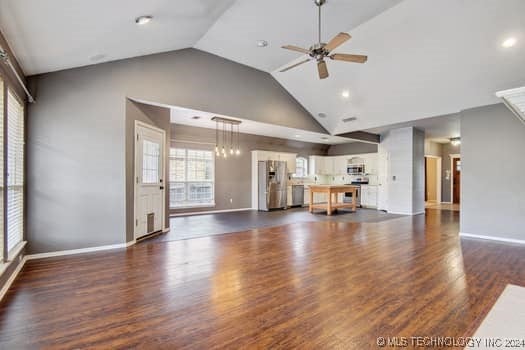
(351, 119)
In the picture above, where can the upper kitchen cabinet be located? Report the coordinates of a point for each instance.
(289, 158)
(371, 162)
(317, 165)
(314, 165)
(340, 164)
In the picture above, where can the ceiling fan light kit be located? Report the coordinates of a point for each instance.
(320, 51)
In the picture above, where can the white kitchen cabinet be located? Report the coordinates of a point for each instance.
(289, 158)
(320, 197)
(369, 196)
(328, 166)
(371, 161)
(316, 165)
(340, 164)
(306, 196)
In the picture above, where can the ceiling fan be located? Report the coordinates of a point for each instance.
(320, 50)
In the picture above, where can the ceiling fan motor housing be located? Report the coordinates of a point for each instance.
(320, 2)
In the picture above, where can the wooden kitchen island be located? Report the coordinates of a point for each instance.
(332, 191)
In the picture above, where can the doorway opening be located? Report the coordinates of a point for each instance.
(456, 178)
(149, 181)
(432, 180)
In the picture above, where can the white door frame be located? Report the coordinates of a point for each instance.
(138, 124)
(452, 157)
(438, 176)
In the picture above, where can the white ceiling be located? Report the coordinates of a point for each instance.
(58, 34)
(236, 32)
(426, 58)
(438, 129)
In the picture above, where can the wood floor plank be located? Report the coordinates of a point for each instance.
(315, 285)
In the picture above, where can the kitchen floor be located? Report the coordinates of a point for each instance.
(185, 227)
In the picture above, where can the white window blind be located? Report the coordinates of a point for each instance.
(192, 178)
(1, 169)
(15, 170)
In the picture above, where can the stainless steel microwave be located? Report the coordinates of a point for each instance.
(355, 169)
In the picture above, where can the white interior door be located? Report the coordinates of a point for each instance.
(149, 179)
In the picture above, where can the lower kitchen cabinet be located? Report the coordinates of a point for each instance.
(369, 196)
(306, 196)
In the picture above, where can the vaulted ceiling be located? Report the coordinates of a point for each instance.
(426, 58)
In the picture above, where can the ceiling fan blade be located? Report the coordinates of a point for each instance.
(338, 40)
(323, 70)
(349, 58)
(294, 65)
(296, 48)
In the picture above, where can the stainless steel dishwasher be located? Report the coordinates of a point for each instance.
(297, 195)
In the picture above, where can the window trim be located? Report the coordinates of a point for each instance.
(5, 255)
(189, 205)
(22, 186)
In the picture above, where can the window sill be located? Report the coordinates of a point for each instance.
(193, 206)
(11, 256)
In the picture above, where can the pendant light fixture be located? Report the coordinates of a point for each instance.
(228, 138)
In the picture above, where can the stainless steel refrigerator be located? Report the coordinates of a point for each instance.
(272, 185)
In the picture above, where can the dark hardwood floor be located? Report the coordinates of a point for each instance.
(321, 285)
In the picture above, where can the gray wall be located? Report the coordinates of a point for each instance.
(352, 148)
(447, 149)
(233, 175)
(77, 130)
(433, 149)
(418, 171)
(492, 202)
(405, 150)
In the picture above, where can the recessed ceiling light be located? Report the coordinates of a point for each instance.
(510, 42)
(298, 136)
(141, 20)
(321, 115)
(262, 43)
(196, 117)
(345, 93)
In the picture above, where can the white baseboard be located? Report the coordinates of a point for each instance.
(210, 212)
(79, 251)
(492, 238)
(12, 278)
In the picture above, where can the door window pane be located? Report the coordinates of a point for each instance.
(150, 162)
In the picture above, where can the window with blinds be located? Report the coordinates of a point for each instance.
(192, 178)
(15, 170)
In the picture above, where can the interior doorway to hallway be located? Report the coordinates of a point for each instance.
(432, 180)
